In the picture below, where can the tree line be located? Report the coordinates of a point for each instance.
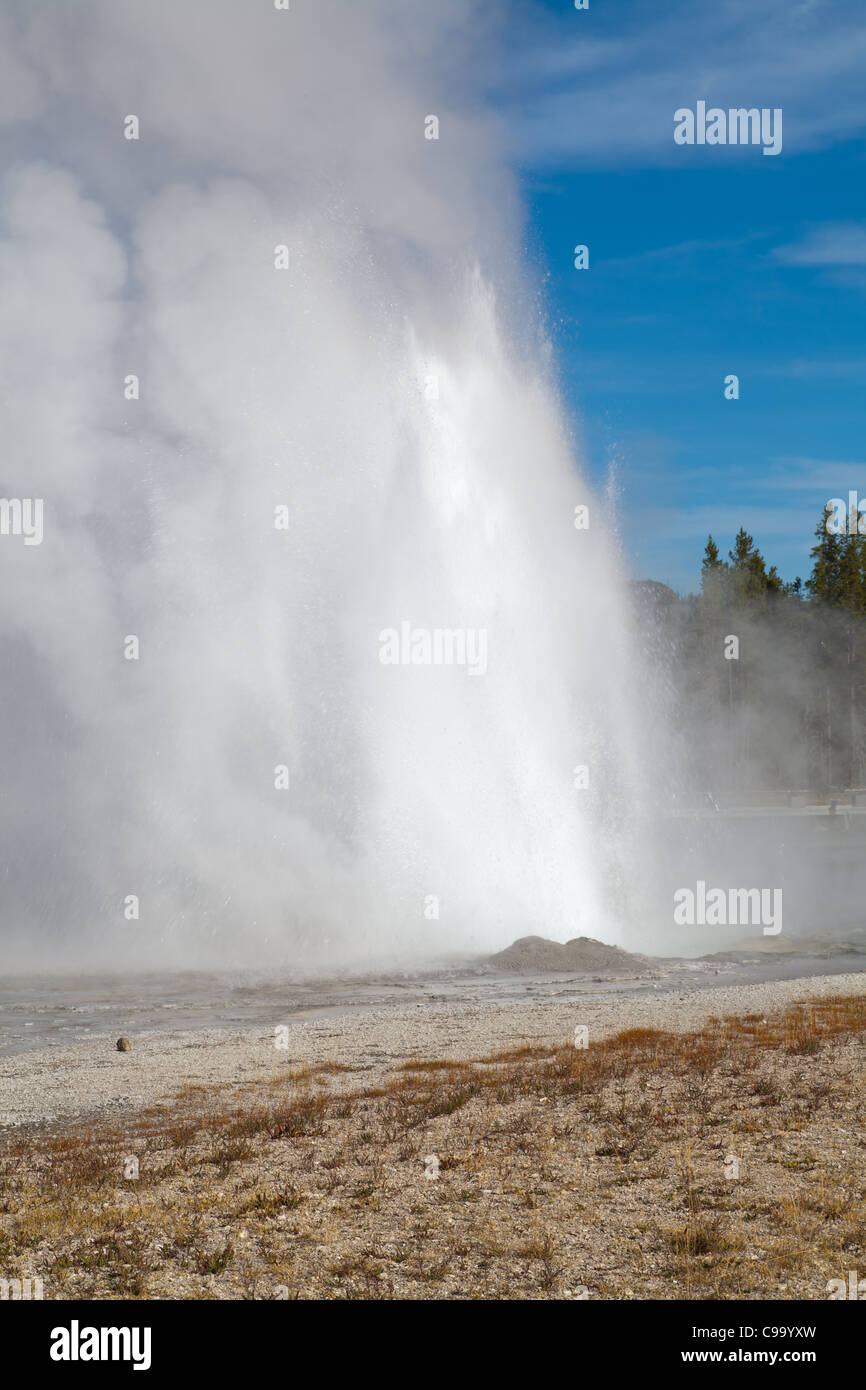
(780, 706)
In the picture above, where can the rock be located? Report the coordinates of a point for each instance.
(582, 953)
(124, 1045)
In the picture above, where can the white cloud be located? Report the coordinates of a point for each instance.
(576, 100)
(834, 244)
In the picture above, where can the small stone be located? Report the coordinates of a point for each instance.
(124, 1045)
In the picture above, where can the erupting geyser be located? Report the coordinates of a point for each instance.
(347, 444)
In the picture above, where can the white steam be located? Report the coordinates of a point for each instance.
(449, 507)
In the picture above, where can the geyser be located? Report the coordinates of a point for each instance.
(326, 444)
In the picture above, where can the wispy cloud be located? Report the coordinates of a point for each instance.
(577, 98)
(812, 475)
(680, 250)
(805, 367)
(834, 243)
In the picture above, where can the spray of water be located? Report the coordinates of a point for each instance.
(324, 460)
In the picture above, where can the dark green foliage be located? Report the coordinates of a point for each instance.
(786, 712)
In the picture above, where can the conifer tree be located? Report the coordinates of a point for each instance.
(825, 581)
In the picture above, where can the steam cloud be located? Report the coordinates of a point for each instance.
(303, 388)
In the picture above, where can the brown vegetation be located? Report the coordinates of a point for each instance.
(722, 1163)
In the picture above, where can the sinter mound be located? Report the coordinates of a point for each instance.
(533, 953)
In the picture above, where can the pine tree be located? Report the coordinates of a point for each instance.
(749, 570)
(825, 581)
(714, 572)
(838, 580)
(711, 561)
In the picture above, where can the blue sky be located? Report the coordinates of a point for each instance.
(704, 261)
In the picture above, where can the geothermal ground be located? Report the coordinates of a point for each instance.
(58, 1059)
(446, 1137)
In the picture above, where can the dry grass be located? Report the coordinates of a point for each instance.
(538, 1172)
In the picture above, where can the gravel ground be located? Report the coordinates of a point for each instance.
(93, 1078)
